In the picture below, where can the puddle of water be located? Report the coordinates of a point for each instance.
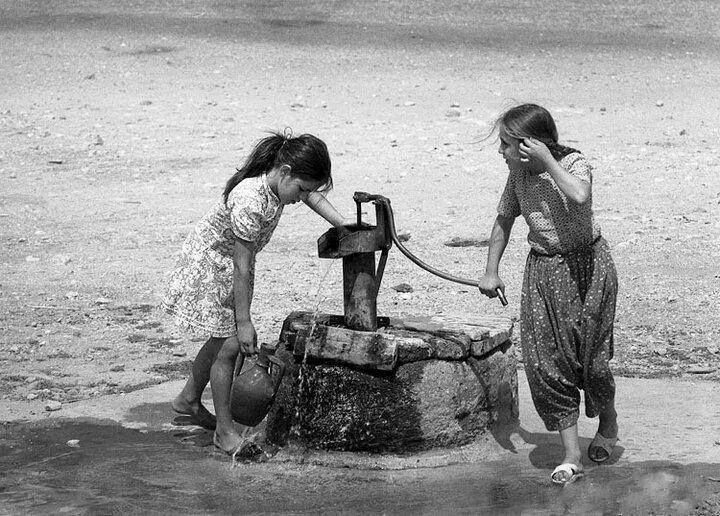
(121, 470)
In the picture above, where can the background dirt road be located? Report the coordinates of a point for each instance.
(119, 124)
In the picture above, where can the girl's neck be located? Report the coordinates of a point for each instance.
(273, 179)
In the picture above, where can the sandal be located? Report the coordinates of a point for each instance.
(571, 473)
(601, 448)
(203, 418)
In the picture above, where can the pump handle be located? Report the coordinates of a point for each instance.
(361, 197)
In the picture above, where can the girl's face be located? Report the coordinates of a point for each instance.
(509, 148)
(292, 189)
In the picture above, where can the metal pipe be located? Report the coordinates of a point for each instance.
(417, 261)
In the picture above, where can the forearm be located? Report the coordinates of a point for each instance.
(573, 187)
(499, 237)
(320, 205)
(243, 259)
(241, 292)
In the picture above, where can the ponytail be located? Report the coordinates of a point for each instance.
(261, 159)
(306, 155)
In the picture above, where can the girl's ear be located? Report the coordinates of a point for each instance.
(285, 169)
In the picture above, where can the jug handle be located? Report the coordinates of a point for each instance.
(239, 362)
(281, 366)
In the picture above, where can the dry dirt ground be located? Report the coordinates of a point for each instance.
(120, 123)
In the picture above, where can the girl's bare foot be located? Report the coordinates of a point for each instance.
(603, 444)
(199, 415)
(228, 441)
(608, 427)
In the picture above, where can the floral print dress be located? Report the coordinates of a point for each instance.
(200, 290)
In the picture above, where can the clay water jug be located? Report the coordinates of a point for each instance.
(254, 389)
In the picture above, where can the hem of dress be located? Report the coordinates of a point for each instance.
(193, 326)
(566, 422)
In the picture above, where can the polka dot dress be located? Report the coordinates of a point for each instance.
(568, 296)
(566, 332)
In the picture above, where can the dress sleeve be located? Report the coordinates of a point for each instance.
(247, 212)
(509, 206)
(577, 165)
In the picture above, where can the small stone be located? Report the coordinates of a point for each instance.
(659, 103)
(404, 236)
(53, 405)
(409, 103)
(700, 370)
(299, 102)
(403, 287)
(467, 242)
(117, 368)
(32, 396)
(72, 295)
(179, 353)
(63, 259)
(98, 140)
(103, 301)
(73, 443)
(452, 113)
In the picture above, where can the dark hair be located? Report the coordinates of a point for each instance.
(306, 155)
(532, 121)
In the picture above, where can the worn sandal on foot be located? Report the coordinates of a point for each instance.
(601, 448)
(566, 473)
(204, 419)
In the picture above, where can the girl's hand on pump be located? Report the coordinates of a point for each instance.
(247, 338)
(489, 284)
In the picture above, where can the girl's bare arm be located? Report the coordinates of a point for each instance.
(320, 205)
(243, 260)
(573, 187)
(499, 237)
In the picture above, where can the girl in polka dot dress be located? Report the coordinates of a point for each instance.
(211, 288)
(570, 283)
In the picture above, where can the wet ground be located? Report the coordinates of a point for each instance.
(116, 470)
(121, 454)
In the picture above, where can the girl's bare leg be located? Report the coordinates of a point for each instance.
(608, 426)
(221, 377)
(600, 450)
(189, 401)
(571, 443)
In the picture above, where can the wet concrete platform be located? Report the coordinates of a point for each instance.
(121, 454)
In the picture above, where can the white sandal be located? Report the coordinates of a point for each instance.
(572, 472)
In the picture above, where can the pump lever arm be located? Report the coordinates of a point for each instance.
(417, 261)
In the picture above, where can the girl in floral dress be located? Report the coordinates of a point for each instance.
(211, 288)
(569, 287)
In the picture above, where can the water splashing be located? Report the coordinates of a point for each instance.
(319, 299)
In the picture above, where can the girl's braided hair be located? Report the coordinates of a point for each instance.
(532, 121)
(306, 155)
